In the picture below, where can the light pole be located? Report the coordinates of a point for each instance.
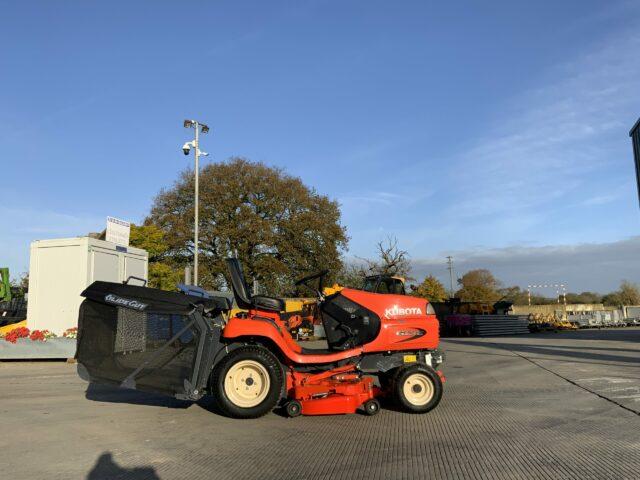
(198, 126)
(450, 266)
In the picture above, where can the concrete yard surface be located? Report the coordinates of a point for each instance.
(545, 406)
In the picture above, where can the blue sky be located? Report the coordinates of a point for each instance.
(460, 128)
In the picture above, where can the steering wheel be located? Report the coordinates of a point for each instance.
(305, 282)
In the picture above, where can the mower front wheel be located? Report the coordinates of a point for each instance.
(248, 382)
(417, 388)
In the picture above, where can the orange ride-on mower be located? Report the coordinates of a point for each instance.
(183, 345)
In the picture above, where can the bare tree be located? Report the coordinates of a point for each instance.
(391, 259)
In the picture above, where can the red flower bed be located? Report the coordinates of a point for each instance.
(24, 332)
(37, 335)
(41, 335)
(16, 333)
(70, 333)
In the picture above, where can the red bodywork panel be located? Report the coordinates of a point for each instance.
(269, 325)
(404, 325)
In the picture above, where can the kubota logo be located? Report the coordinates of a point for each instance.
(397, 311)
(124, 302)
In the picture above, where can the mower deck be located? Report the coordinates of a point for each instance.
(337, 391)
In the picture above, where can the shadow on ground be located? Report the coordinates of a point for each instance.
(111, 394)
(627, 334)
(105, 468)
(585, 354)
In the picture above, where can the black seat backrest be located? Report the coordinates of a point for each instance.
(238, 283)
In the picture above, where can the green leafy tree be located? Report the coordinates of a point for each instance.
(163, 276)
(152, 239)
(280, 228)
(431, 288)
(351, 275)
(517, 296)
(612, 299)
(478, 286)
(20, 286)
(584, 297)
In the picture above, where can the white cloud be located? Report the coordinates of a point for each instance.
(557, 139)
(601, 199)
(589, 266)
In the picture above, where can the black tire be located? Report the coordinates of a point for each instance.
(426, 378)
(371, 407)
(252, 355)
(386, 381)
(293, 408)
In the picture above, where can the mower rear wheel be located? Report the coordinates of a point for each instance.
(417, 388)
(371, 407)
(248, 382)
(294, 408)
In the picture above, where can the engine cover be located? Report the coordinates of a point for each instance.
(404, 322)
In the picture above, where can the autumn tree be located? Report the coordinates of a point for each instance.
(391, 260)
(162, 274)
(627, 294)
(431, 288)
(478, 286)
(351, 275)
(278, 227)
(513, 294)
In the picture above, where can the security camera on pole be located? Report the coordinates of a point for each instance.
(186, 148)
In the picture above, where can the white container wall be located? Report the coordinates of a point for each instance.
(59, 270)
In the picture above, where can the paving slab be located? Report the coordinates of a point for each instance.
(518, 407)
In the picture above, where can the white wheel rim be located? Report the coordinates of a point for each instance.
(418, 389)
(247, 383)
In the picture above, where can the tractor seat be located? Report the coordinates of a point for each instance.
(272, 304)
(241, 291)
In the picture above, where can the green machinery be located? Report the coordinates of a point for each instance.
(13, 304)
(5, 285)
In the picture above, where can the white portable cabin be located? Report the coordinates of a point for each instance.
(60, 269)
